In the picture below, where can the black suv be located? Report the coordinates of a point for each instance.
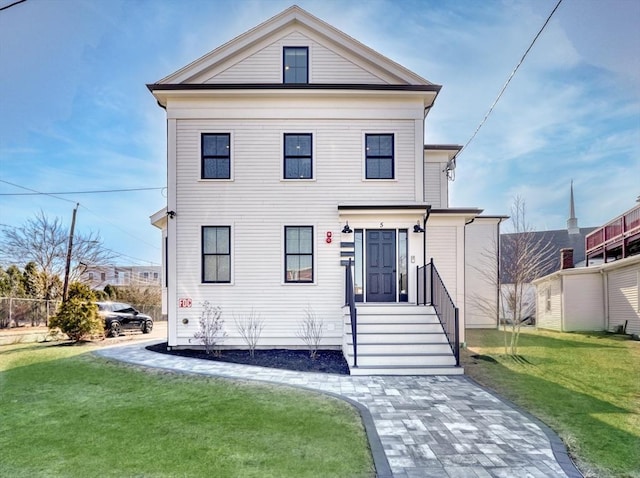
(118, 316)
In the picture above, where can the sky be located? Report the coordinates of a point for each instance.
(75, 113)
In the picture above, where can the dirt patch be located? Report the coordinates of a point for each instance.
(327, 361)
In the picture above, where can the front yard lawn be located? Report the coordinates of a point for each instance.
(66, 413)
(586, 386)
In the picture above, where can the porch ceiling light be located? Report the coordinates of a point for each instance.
(346, 229)
(418, 228)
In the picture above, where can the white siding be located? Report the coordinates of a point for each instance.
(433, 187)
(481, 273)
(441, 246)
(623, 298)
(549, 319)
(265, 65)
(583, 302)
(257, 204)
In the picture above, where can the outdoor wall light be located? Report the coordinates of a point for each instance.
(171, 214)
(346, 229)
(185, 321)
(418, 228)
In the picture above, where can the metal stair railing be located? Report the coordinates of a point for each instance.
(350, 300)
(432, 291)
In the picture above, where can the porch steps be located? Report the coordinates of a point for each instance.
(399, 339)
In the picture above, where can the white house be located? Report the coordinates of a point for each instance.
(292, 149)
(605, 296)
(99, 276)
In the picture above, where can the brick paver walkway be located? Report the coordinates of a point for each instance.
(417, 426)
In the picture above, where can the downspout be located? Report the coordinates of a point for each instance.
(424, 236)
(498, 276)
(605, 297)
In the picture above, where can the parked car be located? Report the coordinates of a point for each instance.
(118, 316)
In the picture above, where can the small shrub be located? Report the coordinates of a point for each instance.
(211, 332)
(250, 328)
(310, 332)
(78, 316)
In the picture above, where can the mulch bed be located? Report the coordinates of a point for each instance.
(327, 361)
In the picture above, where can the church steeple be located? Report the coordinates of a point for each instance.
(572, 222)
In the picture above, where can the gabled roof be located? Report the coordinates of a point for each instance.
(269, 31)
(557, 240)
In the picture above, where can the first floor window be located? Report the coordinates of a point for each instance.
(379, 156)
(216, 156)
(297, 156)
(216, 254)
(298, 253)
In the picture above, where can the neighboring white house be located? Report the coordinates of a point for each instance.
(605, 296)
(99, 276)
(292, 149)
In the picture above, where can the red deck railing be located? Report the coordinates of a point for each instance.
(617, 233)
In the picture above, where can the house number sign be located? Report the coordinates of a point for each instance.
(184, 303)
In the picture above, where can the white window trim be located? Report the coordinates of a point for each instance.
(232, 249)
(314, 155)
(314, 263)
(297, 43)
(395, 155)
(232, 162)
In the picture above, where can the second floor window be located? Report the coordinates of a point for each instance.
(295, 64)
(379, 156)
(297, 156)
(216, 156)
(216, 254)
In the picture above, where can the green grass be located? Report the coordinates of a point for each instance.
(66, 413)
(585, 386)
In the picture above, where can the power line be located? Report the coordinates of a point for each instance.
(155, 246)
(12, 4)
(79, 192)
(37, 192)
(509, 79)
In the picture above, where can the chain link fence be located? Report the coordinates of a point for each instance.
(20, 312)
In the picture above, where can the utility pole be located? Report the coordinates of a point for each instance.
(65, 288)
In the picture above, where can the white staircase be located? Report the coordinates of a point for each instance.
(398, 339)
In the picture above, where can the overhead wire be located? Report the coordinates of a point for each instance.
(100, 191)
(493, 105)
(155, 246)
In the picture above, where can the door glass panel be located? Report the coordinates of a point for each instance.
(403, 266)
(359, 261)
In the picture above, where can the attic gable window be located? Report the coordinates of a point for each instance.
(295, 65)
(216, 156)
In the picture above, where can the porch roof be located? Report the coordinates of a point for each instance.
(408, 208)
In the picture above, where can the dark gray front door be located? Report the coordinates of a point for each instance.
(381, 265)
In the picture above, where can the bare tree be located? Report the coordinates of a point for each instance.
(211, 328)
(523, 256)
(250, 328)
(44, 241)
(310, 332)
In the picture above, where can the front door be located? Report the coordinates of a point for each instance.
(381, 265)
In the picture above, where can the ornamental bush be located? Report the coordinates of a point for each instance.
(78, 316)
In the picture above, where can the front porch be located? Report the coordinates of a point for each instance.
(385, 338)
(398, 339)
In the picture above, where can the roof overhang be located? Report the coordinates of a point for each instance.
(159, 219)
(165, 92)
